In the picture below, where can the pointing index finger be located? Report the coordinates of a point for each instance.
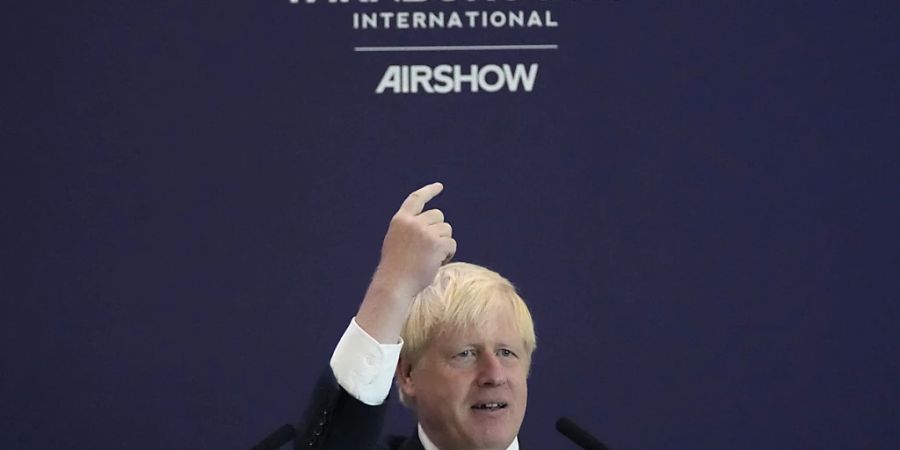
(415, 203)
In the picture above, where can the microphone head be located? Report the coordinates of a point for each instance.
(578, 435)
(564, 424)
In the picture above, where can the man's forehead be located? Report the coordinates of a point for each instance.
(492, 330)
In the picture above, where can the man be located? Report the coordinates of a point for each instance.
(457, 336)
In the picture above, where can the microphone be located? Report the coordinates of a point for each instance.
(277, 438)
(578, 435)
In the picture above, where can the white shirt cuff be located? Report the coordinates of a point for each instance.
(363, 366)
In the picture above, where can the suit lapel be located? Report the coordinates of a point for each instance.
(413, 443)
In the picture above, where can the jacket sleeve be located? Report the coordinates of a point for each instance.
(334, 420)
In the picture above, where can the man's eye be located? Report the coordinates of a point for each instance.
(466, 353)
(507, 353)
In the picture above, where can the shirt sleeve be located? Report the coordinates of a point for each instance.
(363, 366)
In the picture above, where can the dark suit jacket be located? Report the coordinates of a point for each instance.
(334, 420)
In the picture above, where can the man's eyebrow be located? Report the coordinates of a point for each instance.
(462, 346)
(482, 344)
(506, 345)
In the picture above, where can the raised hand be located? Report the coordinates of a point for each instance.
(415, 246)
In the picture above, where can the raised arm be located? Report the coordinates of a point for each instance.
(417, 242)
(346, 410)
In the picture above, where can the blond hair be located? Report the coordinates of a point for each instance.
(462, 295)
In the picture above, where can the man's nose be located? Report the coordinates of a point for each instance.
(491, 371)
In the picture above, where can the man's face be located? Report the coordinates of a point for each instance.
(469, 386)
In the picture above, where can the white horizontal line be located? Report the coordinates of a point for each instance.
(452, 48)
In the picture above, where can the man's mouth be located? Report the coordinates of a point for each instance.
(492, 406)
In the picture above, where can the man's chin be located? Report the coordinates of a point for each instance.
(493, 439)
(490, 431)
(493, 445)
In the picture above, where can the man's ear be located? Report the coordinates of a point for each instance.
(405, 379)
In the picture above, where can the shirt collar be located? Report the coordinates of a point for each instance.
(428, 445)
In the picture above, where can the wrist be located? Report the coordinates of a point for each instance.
(396, 289)
(389, 292)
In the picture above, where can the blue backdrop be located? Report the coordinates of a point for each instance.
(697, 199)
